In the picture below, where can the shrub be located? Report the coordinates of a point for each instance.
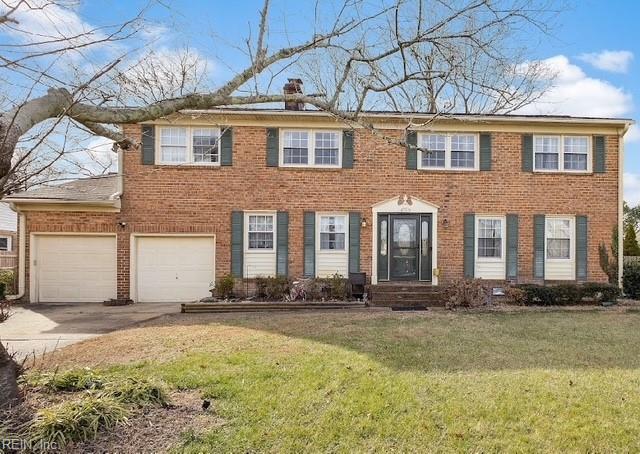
(467, 293)
(77, 420)
(224, 287)
(631, 280)
(515, 295)
(567, 294)
(272, 288)
(69, 381)
(335, 287)
(8, 279)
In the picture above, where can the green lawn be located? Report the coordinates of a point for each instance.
(382, 381)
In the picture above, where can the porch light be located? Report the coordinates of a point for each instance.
(363, 223)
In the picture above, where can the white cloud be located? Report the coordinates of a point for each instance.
(575, 93)
(632, 188)
(632, 135)
(616, 61)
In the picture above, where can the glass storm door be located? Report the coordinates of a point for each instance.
(404, 257)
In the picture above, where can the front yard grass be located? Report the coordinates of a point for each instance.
(383, 381)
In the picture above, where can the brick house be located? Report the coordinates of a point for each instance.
(256, 192)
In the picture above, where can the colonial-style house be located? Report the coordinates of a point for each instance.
(260, 192)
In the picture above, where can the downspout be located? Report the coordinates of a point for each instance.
(22, 248)
(621, 134)
(119, 185)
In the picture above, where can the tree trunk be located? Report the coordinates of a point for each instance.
(9, 393)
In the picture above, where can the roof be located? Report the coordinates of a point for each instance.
(94, 189)
(422, 115)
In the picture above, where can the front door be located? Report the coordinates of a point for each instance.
(404, 247)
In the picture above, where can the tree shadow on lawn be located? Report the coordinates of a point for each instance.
(438, 341)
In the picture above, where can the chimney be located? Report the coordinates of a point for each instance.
(292, 87)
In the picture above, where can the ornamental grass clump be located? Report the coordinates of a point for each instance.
(136, 391)
(77, 420)
(73, 380)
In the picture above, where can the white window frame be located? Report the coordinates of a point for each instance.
(503, 221)
(247, 215)
(312, 143)
(561, 153)
(319, 217)
(572, 229)
(190, 158)
(8, 249)
(447, 152)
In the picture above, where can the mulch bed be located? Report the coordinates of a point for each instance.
(149, 429)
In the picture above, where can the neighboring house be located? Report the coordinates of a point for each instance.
(291, 192)
(8, 238)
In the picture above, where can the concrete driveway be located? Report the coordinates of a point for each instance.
(36, 328)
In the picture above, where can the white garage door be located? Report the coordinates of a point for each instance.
(72, 268)
(176, 269)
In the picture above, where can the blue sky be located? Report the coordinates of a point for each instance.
(594, 48)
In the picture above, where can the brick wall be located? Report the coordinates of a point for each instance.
(200, 199)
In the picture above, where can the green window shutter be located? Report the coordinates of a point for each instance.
(412, 151)
(347, 149)
(226, 146)
(485, 151)
(309, 233)
(148, 144)
(273, 147)
(527, 153)
(354, 242)
(598, 154)
(237, 248)
(512, 246)
(282, 244)
(538, 246)
(469, 245)
(581, 247)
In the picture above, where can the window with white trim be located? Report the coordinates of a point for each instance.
(260, 232)
(311, 148)
(556, 153)
(189, 145)
(448, 151)
(5, 243)
(490, 234)
(558, 237)
(332, 233)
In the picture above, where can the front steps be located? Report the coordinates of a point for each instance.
(407, 295)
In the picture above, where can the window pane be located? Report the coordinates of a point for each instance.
(4, 244)
(558, 249)
(326, 148)
(296, 147)
(332, 241)
(383, 237)
(173, 154)
(205, 145)
(546, 161)
(575, 161)
(260, 240)
(462, 151)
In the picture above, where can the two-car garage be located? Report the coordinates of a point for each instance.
(83, 267)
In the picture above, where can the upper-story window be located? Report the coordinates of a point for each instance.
(561, 153)
(189, 145)
(448, 151)
(312, 148)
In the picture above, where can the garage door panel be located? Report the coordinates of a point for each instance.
(174, 268)
(76, 268)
